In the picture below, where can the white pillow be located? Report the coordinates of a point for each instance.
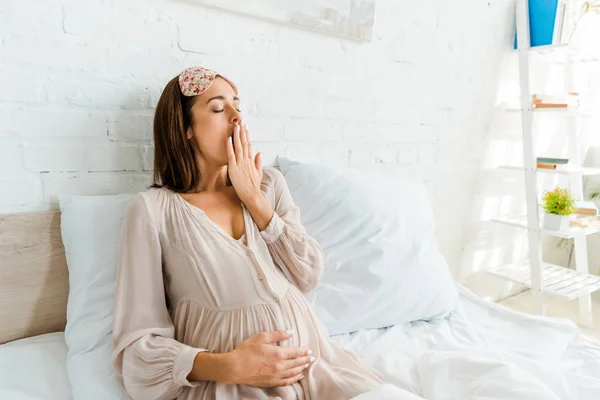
(34, 368)
(91, 233)
(382, 263)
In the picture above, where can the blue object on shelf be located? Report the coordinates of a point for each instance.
(542, 15)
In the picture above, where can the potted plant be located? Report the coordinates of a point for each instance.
(559, 205)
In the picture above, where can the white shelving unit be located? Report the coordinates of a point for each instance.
(561, 54)
(555, 111)
(557, 280)
(566, 171)
(520, 221)
(542, 277)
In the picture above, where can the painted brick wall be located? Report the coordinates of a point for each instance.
(79, 81)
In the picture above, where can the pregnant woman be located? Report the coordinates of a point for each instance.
(214, 266)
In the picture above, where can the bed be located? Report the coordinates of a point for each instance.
(480, 351)
(35, 368)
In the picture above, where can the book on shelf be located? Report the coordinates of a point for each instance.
(585, 221)
(546, 22)
(552, 160)
(545, 166)
(551, 163)
(580, 223)
(586, 211)
(568, 100)
(586, 208)
(554, 105)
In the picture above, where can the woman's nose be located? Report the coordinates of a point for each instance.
(236, 117)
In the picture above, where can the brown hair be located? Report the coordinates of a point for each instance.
(175, 163)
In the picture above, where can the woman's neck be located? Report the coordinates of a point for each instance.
(213, 178)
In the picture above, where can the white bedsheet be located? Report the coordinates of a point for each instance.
(482, 351)
(35, 369)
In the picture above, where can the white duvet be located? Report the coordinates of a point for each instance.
(35, 369)
(481, 352)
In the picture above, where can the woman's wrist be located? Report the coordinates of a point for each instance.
(260, 210)
(217, 367)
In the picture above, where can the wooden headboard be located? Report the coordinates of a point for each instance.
(34, 280)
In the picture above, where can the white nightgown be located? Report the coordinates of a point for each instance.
(184, 286)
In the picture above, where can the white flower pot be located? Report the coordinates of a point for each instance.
(555, 222)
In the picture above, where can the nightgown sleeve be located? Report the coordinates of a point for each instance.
(148, 361)
(294, 252)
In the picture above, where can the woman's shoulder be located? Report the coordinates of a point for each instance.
(150, 197)
(148, 203)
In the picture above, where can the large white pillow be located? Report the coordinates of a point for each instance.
(91, 233)
(382, 262)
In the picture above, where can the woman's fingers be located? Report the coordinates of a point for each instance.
(258, 163)
(243, 139)
(292, 353)
(249, 149)
(237, 142)
(293, 372)
(300, 362)
(230, 151)
(289, 381)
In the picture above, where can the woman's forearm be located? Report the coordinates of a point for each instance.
(216, 367)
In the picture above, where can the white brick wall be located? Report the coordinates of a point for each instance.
(79, 81)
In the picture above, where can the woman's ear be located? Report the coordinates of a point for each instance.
(189, 133)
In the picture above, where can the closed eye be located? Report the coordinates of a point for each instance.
(220, 111)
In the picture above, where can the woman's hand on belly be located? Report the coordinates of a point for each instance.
(258, 362)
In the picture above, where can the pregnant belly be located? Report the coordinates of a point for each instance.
(224, 330)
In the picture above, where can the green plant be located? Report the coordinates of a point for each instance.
(559, 201)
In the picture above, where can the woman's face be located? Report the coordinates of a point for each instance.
(214, 116)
